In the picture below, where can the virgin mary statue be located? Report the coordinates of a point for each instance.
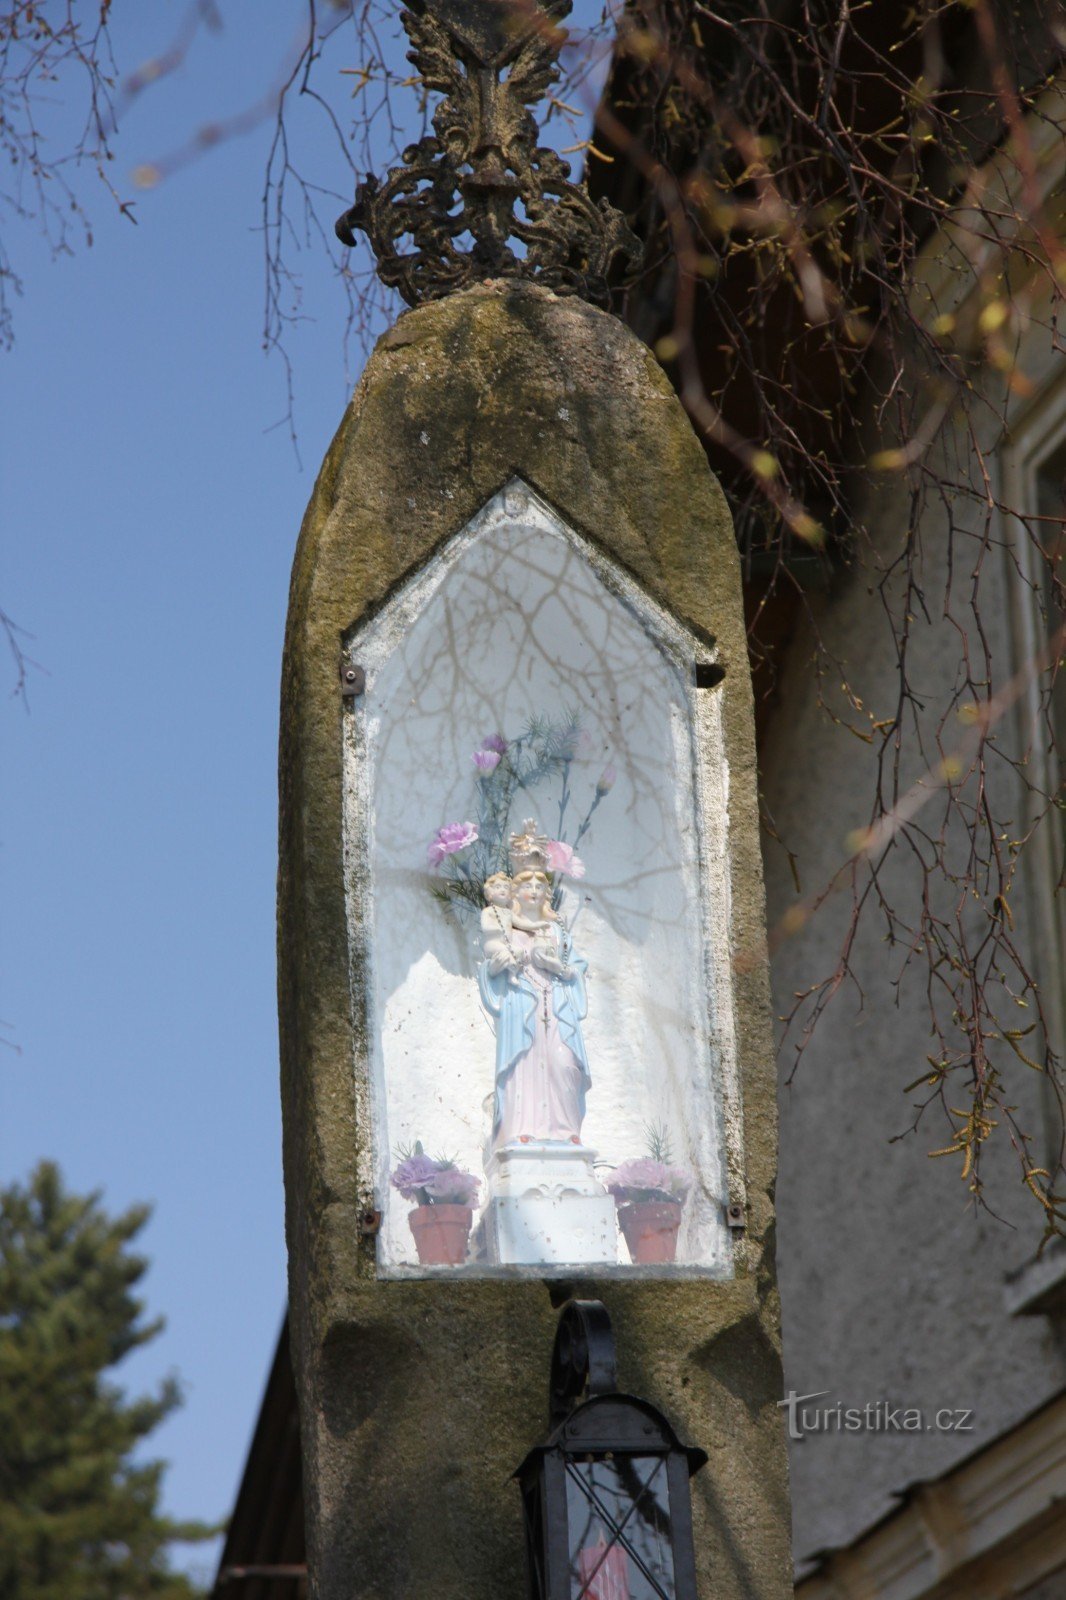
(533, 987)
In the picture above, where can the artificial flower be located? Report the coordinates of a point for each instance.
(431, 1182)
(561, 858)
(449, 840)
(645, 1179)
(413, 1174)
(450, 1187)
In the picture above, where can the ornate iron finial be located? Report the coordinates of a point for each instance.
(465, 183)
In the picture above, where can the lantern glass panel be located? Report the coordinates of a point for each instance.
(618, 1515)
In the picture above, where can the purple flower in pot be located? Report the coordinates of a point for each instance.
(649, 1195)
(443, 1215)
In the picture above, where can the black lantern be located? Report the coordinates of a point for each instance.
(606, 1498)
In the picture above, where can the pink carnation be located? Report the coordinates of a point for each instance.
(646, 1179)
(449, 1187)
(486, 760)
(449, 840)
(561, 858)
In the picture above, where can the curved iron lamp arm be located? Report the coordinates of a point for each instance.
(583, 1359)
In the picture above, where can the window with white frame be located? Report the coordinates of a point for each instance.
(1034, 490)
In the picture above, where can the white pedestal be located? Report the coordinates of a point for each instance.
(547, 1206)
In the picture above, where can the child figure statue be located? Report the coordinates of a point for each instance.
(496, 928)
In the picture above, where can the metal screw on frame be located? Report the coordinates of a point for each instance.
(353, 680)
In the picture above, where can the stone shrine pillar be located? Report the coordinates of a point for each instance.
(525, 1016)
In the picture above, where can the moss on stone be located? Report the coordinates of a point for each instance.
(419, 1398)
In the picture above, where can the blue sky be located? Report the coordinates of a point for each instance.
(150, 512)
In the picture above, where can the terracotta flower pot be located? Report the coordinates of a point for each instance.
(441, 1234)
(650, 1229)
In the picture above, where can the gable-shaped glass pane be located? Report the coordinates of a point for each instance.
(532, 881)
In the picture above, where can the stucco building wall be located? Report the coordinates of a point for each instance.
(894, 1287)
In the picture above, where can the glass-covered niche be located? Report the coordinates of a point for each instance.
(535, 814)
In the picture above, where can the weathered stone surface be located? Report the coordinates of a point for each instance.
(419, 1398)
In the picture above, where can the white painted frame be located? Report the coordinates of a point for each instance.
(1034, 435)
(369, 646)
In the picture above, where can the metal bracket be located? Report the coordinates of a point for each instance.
(583, 1362)
(735, 1215)
(353, 680)
(370, 1222)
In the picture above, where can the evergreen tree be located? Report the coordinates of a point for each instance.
(78, 1520)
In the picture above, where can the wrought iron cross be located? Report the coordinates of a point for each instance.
(481, 179)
